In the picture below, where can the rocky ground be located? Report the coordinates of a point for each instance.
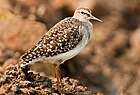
(108, 65)
(22, 81)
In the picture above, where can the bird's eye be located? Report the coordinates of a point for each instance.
(82, 13)
(85, 14)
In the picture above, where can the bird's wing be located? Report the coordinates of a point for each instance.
(62, 37)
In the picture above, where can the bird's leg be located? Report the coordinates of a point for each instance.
(57, 72)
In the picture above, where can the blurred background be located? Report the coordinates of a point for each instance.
(108, 64)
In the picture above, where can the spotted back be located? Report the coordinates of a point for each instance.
(61, 38)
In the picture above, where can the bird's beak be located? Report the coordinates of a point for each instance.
(97, 19)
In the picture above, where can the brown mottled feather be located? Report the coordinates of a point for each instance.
(62, 37)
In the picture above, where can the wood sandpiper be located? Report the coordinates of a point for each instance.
(63, 41)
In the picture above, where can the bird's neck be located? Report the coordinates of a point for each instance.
(86, 23)
(89, 27)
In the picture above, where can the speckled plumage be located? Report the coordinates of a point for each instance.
(64, 40)
(61, 38)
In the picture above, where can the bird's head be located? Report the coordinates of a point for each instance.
(84, 14)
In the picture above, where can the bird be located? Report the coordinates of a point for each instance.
(63, 41)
